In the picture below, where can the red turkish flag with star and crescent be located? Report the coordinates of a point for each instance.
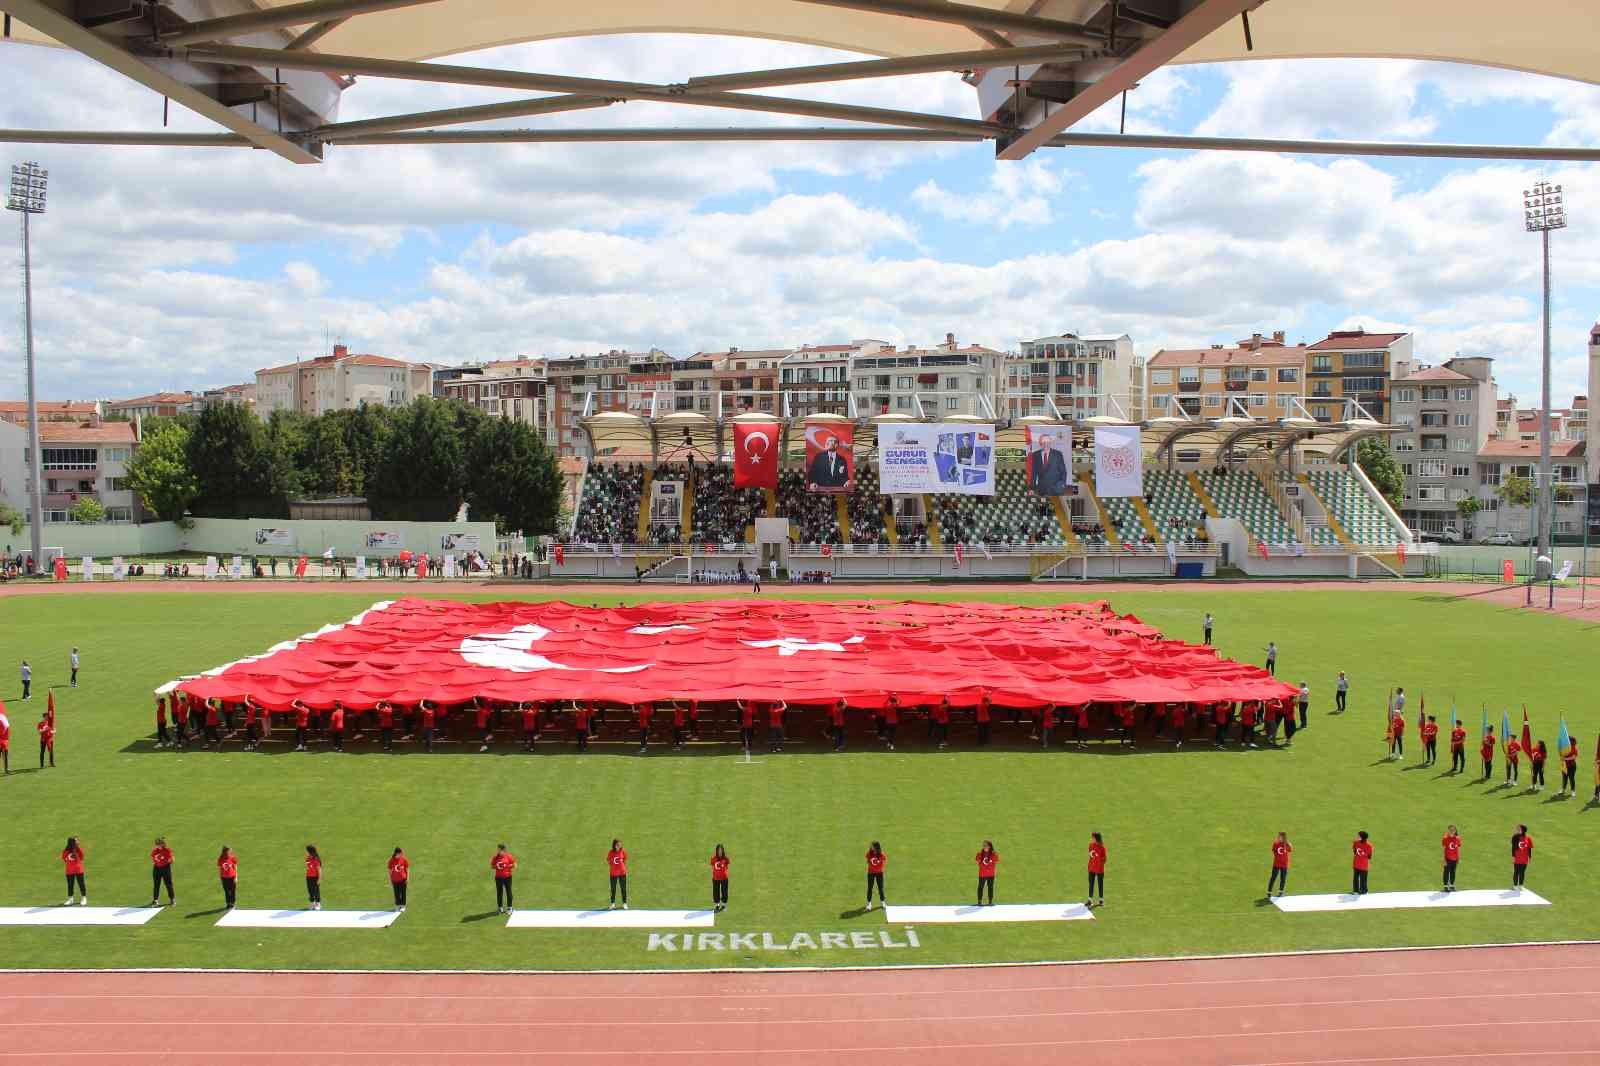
(717, 650)
(755, 455)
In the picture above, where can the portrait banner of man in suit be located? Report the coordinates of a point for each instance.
(830, 458)
(1049, 459)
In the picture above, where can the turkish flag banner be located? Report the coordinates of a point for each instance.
(755, 455)
(717, 650)
(300, 567)
(560, 555)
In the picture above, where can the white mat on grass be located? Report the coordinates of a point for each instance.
(604, 919)
(304, 919)
(1379, 901)
(77, 915)
(1002, 912)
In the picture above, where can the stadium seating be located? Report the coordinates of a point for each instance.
(813, 516)
(722, 513)
(1177, 512)
(1125, 519)
(1239, 494)
(866, 508)
(608, 513)
(1363, 520)
(1012, 517)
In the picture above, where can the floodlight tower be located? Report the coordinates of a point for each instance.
(1542, 212)
(28, 184)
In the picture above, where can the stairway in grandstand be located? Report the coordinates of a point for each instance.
(1348, 501)
(642, 535)
(1109, 528)
(1178, 514)
(1240, 494)
(1329, 535)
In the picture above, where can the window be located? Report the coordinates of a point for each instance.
(1405, 444)
(1158, 403)
(1456, 495)
(1463, 396)
(952, 384)
(952, 403)
(863, 384)
(1437, 394)
(1568, 474)
(1461, 444)
(55, 516)
(1407, 419)
(1362, 385)
(68, 458)
(1488, 473)
(1433, 493)
(1563, 526)
(1211, 376)
(1161, 377)
(1213, 399)
(1258, 374)
(1463, 420)
(1258, 399)
(1408, 469)
(119, 514)
(1364, 360)
(117, 484)
(115, 455)
(1405, 395)
(1459, 470)
(902, 403)
(1322, 364)
(1431, 468)
(1288, 373)
(1189, 375)
(1434, 419)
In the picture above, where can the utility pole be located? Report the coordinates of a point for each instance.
(1543, 212)
(28, 184)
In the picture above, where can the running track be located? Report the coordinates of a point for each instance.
(1474, 1005)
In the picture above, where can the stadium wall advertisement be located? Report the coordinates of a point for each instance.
(237, 536)
(938, 457)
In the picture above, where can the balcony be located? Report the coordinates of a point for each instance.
(59, 501)
(1188, 386)
(1238, 385)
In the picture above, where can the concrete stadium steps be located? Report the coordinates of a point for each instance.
(642, 533)
(1347, 500)
(1064, 521)
(1172, 505)
(1241, 495)
(1108, 528)
(841, 507)
(1321, 536)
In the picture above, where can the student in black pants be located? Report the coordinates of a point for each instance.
(313, 877)
(161, 871)
(987, 859)
(1361, 850)
(876, 861)
(228, 872)
(399, 877)
(504, 865)
(617, 868)
(719, 879)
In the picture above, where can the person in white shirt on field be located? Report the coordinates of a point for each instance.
(73, 659)
(27, 680)
(1340, 688)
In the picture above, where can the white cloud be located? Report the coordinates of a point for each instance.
(1306, 98)
(1018, 194)
(305, 278)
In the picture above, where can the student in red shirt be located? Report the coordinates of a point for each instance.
(891, 719)
(1047, 724)
(336, 725)
(530, 725)
(987, 859)
(1082, 726)
(1097, 872)
(162, 737)
(1458, 749)
(1513, 760)
(617, 867)
(228, 873)
(680, 718)
(72, 856)
(386, 724)
(251, 729)
(302, 721)
(646, 711)
(1124, 712)
(1222, 711)
(1536, 759)
(982, 716)
(876, 861)
(180, 719)
(719, 879)
(775, 712)
(836, 721)
(47, 740)
(213, 716)
(1177, 718)
(941, 723)
(581, 715)
(314, 877)
(694, 719)
(5, 738)
(1521, 853)
(1281, 851)
(1452, 855)
(425, 719)
(504, 865)
(1361, 852)
(1247, 723)
(1430, 741)
(399, 877)
(160, 872)
(747, 724)
(485, 720)
(1486, 753)
(1569, 769)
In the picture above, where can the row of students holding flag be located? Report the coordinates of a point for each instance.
(1512, 747)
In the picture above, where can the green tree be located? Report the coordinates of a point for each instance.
(12, 519)
(1515, 491)
(421, 473)
(159, 470)
(233, 462)
(512, 477)
(87, 511)
(1379, 464)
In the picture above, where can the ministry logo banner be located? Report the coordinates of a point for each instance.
(1118, 461)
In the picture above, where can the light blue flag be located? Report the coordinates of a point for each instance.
(1563, 738)
(1505, 728)
(1485, 727)
(1452, 716)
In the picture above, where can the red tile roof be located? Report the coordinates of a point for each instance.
(84, 433)
(332, 360)
(1435, 373)
(157, 398)
(1266, 355)
(1343, 340)
(1523, 449)
(49, 408)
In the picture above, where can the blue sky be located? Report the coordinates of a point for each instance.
(186, 268)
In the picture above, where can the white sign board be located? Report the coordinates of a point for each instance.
(119, 569)
(361, 568)
(461, 542)
(384, 538)
(275, 538)
(88, 568)
(236, 568)
(211, 568)
(449, 566)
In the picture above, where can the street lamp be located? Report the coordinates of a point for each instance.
(28, 183)
(1542, 212)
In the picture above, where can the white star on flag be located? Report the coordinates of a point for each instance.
(793, 645)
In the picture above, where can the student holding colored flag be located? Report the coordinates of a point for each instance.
(1567, 748)
(1458, 744)
(1430, 741)
(1422, 724)
(1536, 761)
(1486, 752)
(1527, 733)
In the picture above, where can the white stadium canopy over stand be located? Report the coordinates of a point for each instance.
(271, 73)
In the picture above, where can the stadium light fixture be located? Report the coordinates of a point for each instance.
(1543, 211)
(29, 183)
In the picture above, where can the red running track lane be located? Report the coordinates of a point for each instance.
(1471, 1005)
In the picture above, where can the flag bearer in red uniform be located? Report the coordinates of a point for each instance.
(876, 861)
(399, 878)
(1097, 872)
(161, 872)
(1361, 862)
(1281, 852)
(1451, 843)
(504, 864)
(719, 879)
(617, 867)
(1521, 854)
(987, 859)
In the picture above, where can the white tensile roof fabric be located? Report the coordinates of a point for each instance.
(1555, 37)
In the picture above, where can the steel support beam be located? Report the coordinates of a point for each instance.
(1350, 148)
(48, 20)
(456, 116)
(619, 90)
(987, 18)
(642, 134)
(980, 59)
(1202, 19)
(314, 34)
(155, 140)
(276, 18)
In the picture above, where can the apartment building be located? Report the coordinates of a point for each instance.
(16, 411)
(242, 394)
(513, 389)
(78, 460)
(341, 381)
(160, 404)
(815, 378)
(1074, 377)
(1357, 365)
(1499, 459)
(1263, 373)
(694, 384)
(1449, 412)
(748, 380)
(590, 384)
(938, 382)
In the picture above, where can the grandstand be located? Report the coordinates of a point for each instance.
(1268, 496)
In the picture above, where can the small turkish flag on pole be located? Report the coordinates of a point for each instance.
(959, 555)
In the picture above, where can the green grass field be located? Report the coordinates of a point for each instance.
(1188, 831)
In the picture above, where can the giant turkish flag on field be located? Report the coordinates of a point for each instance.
(717, 650)
(755, 455)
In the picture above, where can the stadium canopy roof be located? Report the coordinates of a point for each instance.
(272, 71)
